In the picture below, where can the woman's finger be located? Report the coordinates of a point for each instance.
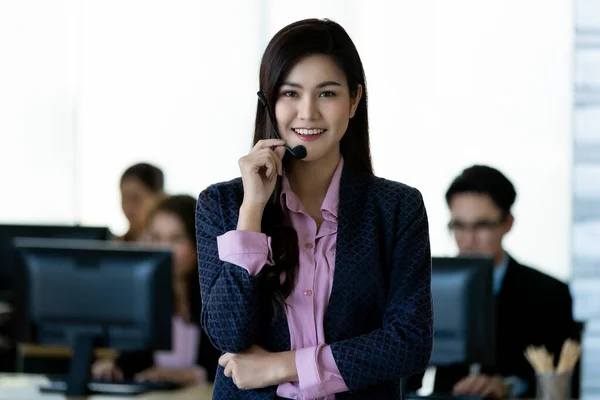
(229, 369)
(266, 143)
(224, 359)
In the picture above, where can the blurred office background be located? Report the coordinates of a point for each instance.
(88, 88)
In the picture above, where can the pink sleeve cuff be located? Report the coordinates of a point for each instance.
(246, 249)
(318, 374)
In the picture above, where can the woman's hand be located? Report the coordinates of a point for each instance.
(184, 376)
(257, 368)
(259, 170)
(106, 370)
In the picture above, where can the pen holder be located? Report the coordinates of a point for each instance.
(553, 386)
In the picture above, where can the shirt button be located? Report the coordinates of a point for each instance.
(308, 292)
(308, 245)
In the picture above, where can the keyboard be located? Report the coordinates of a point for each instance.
(439, 396)
(124, 388)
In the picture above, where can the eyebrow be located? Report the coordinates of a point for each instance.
(319, 86)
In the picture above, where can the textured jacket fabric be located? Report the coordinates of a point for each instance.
(379, 319)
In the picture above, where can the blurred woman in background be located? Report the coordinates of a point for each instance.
(141, 186)
(192, 359)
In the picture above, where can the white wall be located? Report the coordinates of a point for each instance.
(170, 82)
(36, 111)
(450, 84)
(477, 82)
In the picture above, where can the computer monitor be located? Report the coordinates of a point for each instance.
(87, 294)
(10, 231)
(56, 231)
(464, 311)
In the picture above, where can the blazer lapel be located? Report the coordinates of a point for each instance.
(350, 253)
(509, 279)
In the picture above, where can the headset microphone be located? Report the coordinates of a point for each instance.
(298, 152)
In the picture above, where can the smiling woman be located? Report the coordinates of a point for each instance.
(315, 103)
(314, 273)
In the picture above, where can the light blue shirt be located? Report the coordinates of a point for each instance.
(499, 272)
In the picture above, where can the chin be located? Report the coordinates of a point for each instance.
(310, 157)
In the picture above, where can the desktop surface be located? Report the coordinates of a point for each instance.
(58, 384)
(439, 396)
(25, 386)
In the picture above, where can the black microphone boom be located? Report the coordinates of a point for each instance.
(298, 152)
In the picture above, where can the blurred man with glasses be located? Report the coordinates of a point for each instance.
(532, 308)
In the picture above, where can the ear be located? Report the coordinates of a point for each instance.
(355, 101)
(508, 223)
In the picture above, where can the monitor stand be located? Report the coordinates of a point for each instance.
(80, 366)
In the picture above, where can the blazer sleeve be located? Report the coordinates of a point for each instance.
(208, 357)
(230, 312)
(402, 346)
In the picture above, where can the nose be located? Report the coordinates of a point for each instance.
(308, 108)
(467, 241)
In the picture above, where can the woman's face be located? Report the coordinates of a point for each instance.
(166, 229)
(314, 107)
(135, 198)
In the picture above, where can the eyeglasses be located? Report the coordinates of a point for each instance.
(476, 227)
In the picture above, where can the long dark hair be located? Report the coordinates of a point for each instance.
(291, 44)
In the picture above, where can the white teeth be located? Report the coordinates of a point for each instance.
(309, 131)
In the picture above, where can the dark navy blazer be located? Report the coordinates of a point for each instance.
(379, 319)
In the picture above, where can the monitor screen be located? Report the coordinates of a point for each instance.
(119, 294)
(10, 231)
(55, 231)
(464, 311)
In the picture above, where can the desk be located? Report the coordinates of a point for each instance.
(25, 387)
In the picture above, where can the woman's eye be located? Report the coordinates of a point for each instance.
(327, 94)
(290, 93)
